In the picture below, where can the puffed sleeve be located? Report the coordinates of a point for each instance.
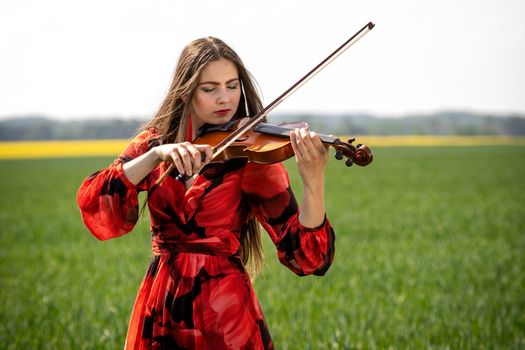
(305, 251)
(108, 201)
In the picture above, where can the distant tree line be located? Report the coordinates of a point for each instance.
(41, 128)
(445, 123)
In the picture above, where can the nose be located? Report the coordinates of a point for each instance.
(223, 96)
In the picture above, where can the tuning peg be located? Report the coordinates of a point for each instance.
(338, 155)
(349, 162)
(351, 140)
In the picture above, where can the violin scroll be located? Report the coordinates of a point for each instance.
(359, 154)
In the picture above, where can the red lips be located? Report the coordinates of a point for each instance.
(223, 112)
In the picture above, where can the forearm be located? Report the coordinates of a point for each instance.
(138, 168)
(312, 209)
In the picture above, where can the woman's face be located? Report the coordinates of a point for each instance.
(217, 96)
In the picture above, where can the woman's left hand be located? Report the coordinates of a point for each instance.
(311, 155)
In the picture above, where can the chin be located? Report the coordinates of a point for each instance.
(221, 120)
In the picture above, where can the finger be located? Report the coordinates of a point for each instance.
(186, 160)
(176, 160)
(316, 141)
(195, 157)
(295, 147)
(307, 139)
(313, 143)
(209, 154)
(207, 150)
(305, 143)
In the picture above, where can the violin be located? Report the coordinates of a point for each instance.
(265, 143)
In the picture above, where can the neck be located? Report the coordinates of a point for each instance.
(195, 126)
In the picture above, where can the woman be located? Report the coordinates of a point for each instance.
(197, 293)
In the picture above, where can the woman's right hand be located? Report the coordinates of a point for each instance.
(187, 157)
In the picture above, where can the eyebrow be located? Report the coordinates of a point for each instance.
(217, 83)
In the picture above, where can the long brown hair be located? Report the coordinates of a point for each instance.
(171, 120)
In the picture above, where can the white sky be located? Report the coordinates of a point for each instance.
(70, 59)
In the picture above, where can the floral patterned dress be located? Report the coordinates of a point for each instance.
(196, 293)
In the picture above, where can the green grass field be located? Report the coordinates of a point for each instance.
(430, 253)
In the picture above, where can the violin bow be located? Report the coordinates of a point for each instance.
(220, 147)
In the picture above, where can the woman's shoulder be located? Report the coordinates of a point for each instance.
(140, 143)
(146, 135)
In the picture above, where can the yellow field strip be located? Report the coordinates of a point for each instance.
(76, 148)
(73, 148)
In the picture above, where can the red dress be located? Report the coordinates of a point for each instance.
(196, 293)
